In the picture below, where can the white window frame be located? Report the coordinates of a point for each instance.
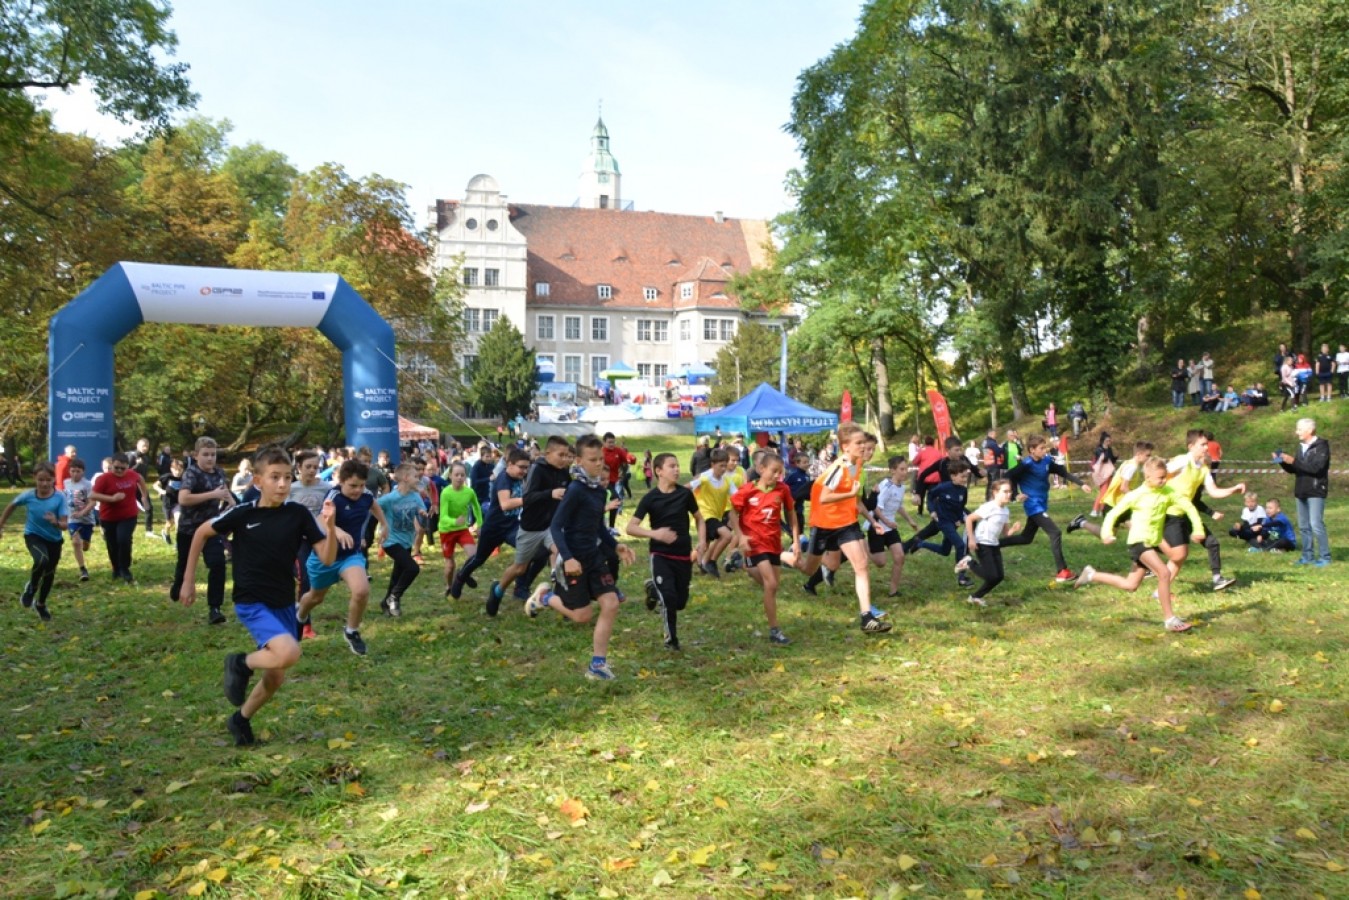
(686, 291)
(728, 329)
(472, 320)
(644, 325)
(580, 370)
(718, 330)
(661, 334)
(489, 319)
(599, 324)
(470, 276)
(491, 277)
(650, 293)
(604, 291)
(540, 289)
(566, 328)
(552, 327)
(595, 366)
(686, 329)
(644, 371)
(470, 360)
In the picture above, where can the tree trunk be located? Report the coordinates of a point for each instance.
(881, 368)
(985, 365)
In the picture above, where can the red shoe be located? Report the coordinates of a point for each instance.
(307, 632)
(1065, 575)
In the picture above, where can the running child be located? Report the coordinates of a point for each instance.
(713, 490)
(760, 508)
(883, 541)
(167, 486)
(117, 492)
(666, 509)
(309, 491)
(203, 495)
(502, 520)
(353, 504)
(44, 525)
(403, 507)
(1128, 476)
(583, 543)
(1150, 506)
(834, 508)
(266, 536)
(1030, 480)
(1190, 476)
(948, 502)
(545, 483)
(459, 512)
(80, 507)
(987, 526)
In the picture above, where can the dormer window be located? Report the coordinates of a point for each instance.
(650, 293)
(605, 291)
(686, 291)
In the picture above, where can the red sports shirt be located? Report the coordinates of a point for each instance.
(760, 514)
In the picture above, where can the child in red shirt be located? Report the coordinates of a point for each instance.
(757, 519)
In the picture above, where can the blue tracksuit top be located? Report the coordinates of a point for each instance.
(1032, 479)
(579, 528)
(947, 500)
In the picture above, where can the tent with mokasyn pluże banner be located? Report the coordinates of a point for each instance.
(766, 409)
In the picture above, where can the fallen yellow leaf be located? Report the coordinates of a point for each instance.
(146, 895)
(1251, 894)
(990, 860)
(573, 809)
(197, 889)
(41, 826)
(700, 856)
(354, 788)
(218, 875)
(1306, 834)
(766, 866)
(618, 865)
(1276, 706)
(174, 787)
(906, 862)
(720, 803)
(1332, 866)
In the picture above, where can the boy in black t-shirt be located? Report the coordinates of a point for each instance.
(667, 509)
(266, 536)
(545, 483)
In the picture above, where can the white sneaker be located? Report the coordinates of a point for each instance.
(1084, 577)
(964, 564)
(976, 601)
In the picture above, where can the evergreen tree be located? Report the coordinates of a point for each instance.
(501, 384)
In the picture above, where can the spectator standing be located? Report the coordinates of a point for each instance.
(1206, 385)
(1279, 356)
(1194, 386)
(1180, 377)
(1311, 468)
(1077, 414)
(1325, 373)
(1052, 421)
(1342, 369)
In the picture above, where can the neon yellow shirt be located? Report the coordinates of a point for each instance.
(1151, 506)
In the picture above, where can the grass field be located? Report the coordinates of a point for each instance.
(1057, 743)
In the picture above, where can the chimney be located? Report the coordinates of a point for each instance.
(718, 217)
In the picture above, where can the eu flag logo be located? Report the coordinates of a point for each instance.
(317, 295)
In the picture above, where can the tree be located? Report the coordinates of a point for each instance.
(502, 382)
(751, 356)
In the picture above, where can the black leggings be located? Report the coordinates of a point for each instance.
(46, 555)
(405, 569)
(118, 536)
(1034, 524)
(672, 578)
(213, 554)
(987, 564)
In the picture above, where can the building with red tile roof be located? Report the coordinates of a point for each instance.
(596, 283)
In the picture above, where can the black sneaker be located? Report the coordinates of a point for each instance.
(672, 644)
(127, 577)
(809, 589)
(828, 576)
(1077, 522)
(494, 596)
(84, 574)
(775, 636)
(652, 595)
(964, 580)
(711, 569)
(471, 582)
(873, 625)
(734, 561)
(42, 612)
(456, 589)
(237, 675)
(241, 729)
(27, 598)
(384, 606)
(355, 642)
(215, 616)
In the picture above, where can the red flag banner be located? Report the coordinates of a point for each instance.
(845, 411)
(941, 415)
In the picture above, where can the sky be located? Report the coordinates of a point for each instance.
(695, 94)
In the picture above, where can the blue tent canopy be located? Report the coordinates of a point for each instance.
(765, 409)
(697, 372)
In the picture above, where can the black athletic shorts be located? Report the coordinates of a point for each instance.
(713, 526)
(1136, 552)
(579, 591)
(880, 543)
(1177, 530)
(771, 558)
(822, 540)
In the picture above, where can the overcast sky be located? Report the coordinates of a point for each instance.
(695, 94)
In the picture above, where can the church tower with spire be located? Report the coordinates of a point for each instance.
(601, 182)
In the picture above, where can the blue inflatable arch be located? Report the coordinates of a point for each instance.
(83, 333)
